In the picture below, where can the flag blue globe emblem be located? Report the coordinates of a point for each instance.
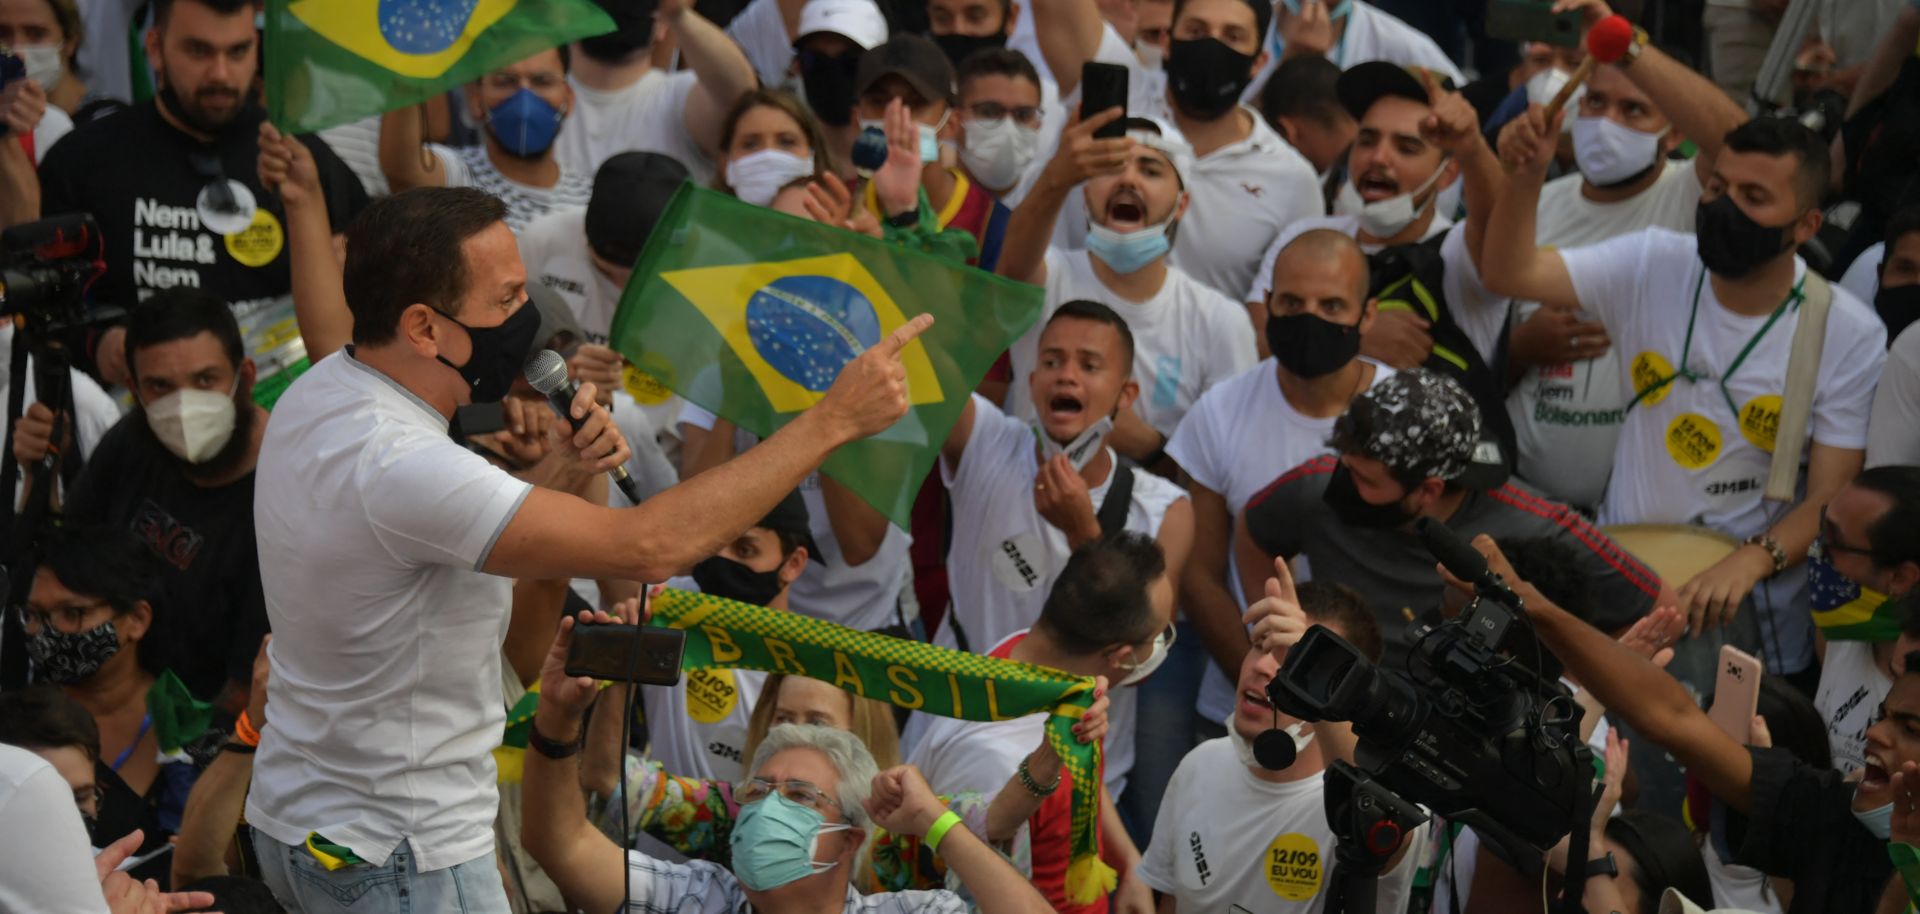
(424, 26)
(808, 327)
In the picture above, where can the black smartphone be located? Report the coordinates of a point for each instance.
(1533, 20)
(646, 654)
(477, 419)
(1103, 86)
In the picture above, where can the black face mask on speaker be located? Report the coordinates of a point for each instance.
(1207, 77)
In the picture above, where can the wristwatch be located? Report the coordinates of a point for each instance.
(553, 749)
(1603, 866)
(1767, 542)
(1639, 43)
(905, 220)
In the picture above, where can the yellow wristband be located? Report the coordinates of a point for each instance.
(939, 829)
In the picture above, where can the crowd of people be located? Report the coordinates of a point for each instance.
(298, 555)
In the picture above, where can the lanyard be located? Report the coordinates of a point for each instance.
(1793, 298)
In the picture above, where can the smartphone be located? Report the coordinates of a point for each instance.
(1533, 20)
(477, 419)
(1736, 693)
(1103, 86)
(646, 654)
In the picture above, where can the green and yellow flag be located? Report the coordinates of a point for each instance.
(331, 62)
(751, 313)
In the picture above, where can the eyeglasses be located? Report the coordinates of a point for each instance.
(69, 619)
(1024, 115)
(1830, 539)
(753, 790)
(538, 82)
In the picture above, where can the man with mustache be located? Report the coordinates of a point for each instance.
(193, 213)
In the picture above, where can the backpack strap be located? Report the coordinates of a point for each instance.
(1113, 508)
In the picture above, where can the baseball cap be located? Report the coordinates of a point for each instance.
(790, 517)
(1360, 85)
(1157, 134)
(1672, 902)
(860, 20)
(629, 192)
(911, 57)
(1420, 424)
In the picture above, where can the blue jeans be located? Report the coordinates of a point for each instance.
(303, 886)
(1162, 730)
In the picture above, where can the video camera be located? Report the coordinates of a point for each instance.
(1474, 729)
(45, 267)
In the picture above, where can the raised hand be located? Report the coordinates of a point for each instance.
(1591, 11)
(902, 802)
(1535, 140)
(564, 699)
(1276, 619)
(870, 394)
(1082, 156)
(1308, 32)
(286, 167)
(1453, 125)
(597, 442)
(1060, 495)
(22, 105)
(897, 183)
(597, 365)
(33, 433)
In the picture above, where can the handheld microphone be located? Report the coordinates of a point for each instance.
(547, 372)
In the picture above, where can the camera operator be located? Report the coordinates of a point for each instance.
(1408, 449)
(386, 546)
(1804, 823)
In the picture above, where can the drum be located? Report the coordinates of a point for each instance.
(1676, 552)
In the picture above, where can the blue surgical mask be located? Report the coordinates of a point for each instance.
(1339, 11)
(1127, 252)
(1879, 820)
(773, 843)
(525, 124)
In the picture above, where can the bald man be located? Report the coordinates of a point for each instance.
(1240, 435)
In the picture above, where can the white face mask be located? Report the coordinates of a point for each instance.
(193, 424)
(1243, 747)
(1082, 449)
(997, 152)
(1144, 668)
(1384, 219)
(1609, 153)
(42, 62)
(758, 176)
(929, 136)
(1150, 56)
(1544, 85)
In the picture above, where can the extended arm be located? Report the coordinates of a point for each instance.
(723, 71)
(1069, 32)
(1511, 263)
(1204, 595)
(858, 527)
(403, 154)
(319, 298)
(1888, 57)
(1023, 253)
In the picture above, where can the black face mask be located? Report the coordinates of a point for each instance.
(1732, 245)
(828, 83)
(499, 354)
(1355, 511)
(1898, 307)
(616, 47)
(1207, 77)
(1310, 346)
(960, 47)
(728, 579)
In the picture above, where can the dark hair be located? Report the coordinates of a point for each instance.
(164, 8)
(236, 895)
(104, 561)
(1776, 136)
(996, 62)
(408, 248)
(181, 314)
(1664, 856)
(72, 27)
(1101, 596)
(1303, 88)
(1342, 607)
(1895, 537)
(1262, 15)
(44, 717)
(780, 100)
(1553, 568)
(1796, 725)
(1100, 314)
(1905, 221)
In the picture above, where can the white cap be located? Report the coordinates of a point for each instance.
(1672, 902)
(1170, 143)
(859, 20)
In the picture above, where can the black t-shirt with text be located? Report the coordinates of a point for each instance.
(212, 614)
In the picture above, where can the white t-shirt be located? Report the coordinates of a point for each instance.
(1235, 440)
(1736, 887)
(1228, 841)
(373, 526)
(1481, 314)
(1566, 418)
(965, 755)
(470, 167)
(865, 596)
(53, 125)
(1893, 431)
(1186, 338)
(1863, 275)
(648, 116)
(698, 726)
(761, 31)
(46, 861)
(358, 145)
(1685, 456)
(1851, 688)
(1372, 34)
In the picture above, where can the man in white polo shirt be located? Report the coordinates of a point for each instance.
(1190, 336)
(386, 549)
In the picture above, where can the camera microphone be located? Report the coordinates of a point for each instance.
(1274, 750)
(1459, 557)
(547, 372)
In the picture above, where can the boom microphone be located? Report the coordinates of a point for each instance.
(547, 372)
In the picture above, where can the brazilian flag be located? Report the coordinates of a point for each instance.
(751, 314)
(332, 62)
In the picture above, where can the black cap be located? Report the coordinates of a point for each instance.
(912, 58)
(1360, 85)
(791, 518)
(629, 193)
(1423, 424)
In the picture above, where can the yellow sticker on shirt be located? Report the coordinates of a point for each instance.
(257, 244)
(642, 387)
(711, 695)
(1649, 369)
(1693, 440)
(1293, 866)
(1760, 421)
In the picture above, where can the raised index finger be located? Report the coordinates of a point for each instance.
(899, 338)
(1283, 580)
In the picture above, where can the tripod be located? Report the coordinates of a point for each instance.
(1370, 823)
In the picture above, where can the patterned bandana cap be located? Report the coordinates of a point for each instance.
(1416, 422)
